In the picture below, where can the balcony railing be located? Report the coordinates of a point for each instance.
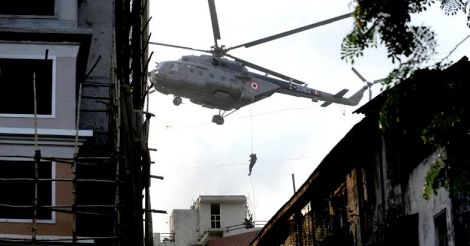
(246, 225)
(167, 237)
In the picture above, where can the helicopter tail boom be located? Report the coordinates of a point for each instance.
(351, 101)
(316, 95)
(337, 95)
(356, 97)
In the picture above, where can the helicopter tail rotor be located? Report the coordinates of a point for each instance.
(369, 84)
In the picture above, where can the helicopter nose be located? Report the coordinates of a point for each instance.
(159, 69)
(157, 78)
(153, 76)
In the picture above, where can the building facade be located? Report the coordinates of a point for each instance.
(68, 114)
(210, 217)
(371, 189)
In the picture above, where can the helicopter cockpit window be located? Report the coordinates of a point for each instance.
(174, 68)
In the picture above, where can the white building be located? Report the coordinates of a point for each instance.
(208, 218)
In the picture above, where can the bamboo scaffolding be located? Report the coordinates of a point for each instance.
(65, 160)
(117, 95)
(4, 240)
(54, 207)
(130, 157)
(37, 158)
(60, 208)
(28, 180)
(76, 212)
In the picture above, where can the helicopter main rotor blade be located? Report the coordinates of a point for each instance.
(262, 69)
(293, 31)
(215, 22)
(180, 47)
(379, 80)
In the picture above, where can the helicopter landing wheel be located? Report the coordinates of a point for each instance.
(177, 101)
(218, 119)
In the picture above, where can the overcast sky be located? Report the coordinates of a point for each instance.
(288, 134)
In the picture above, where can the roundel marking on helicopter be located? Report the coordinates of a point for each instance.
(254, 86)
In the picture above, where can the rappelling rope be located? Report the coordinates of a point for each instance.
(251, 178)
(254, 200)
(251, 121)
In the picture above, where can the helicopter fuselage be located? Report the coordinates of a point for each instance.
(226, 85)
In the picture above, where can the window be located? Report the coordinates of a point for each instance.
(174, 68)
(407, 229)
(27, 7)
(16, 81)
(215, 215)
(21, 193)
(440, 225)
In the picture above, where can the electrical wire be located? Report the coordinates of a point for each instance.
(455, 48)
(275, 161)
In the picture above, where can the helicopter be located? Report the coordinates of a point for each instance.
(222, 81)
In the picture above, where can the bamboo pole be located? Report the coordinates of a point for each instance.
(74, 167)
(37, 158)
(25, 180)
(117, 121)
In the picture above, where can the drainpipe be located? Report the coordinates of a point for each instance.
(382, 182)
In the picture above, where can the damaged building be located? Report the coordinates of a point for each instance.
(373, 188)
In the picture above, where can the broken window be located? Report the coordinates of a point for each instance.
(27, 7)
(307, 225)
(215, 215)
(16, 83)
(337, 209)
(440, 225)
(17, 190)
